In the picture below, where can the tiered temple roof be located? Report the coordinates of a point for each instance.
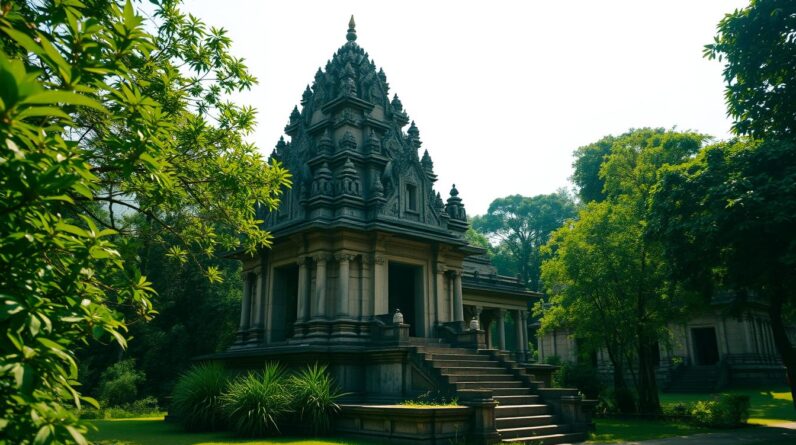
(352, 163)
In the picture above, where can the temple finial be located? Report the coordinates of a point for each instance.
(352, 30)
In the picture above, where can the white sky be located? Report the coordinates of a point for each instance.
(502, 91)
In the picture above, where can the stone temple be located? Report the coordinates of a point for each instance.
(370, 273)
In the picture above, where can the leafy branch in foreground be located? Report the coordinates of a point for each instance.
(100, 121)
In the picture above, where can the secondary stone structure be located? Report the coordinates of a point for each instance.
(370, 273)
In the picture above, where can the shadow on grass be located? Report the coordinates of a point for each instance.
(621, 430)
(155, 431)
(767, 406)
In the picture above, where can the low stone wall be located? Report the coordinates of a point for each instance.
(403, 424)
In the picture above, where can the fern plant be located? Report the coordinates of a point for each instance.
(315, 397)
(197, 397)
(256, 403)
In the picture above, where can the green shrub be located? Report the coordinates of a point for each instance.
(197, 397)
(433, 398)
(119, 383)
(576, 375)
(727, 411)
(255, 404)
(314, 397)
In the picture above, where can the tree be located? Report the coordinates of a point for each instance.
(758, 44)
(603, 272)
(727, 217)
(586, 169)
(522, 225)
(727, 220)
(100, 119)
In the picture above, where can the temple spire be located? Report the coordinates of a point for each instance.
(352, 30)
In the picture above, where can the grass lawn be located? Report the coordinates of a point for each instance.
(768, 407)
(154, 431)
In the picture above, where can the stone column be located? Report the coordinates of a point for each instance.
(518, 332)
(303, 305)
(458, 304)
(524, 327)
(366, 310)
(501, 328)
(343, 279)
(259, 307)
(439, 290)
(320, 287)
(380, 296)
(245, 305)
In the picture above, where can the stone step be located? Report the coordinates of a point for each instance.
(531, 431)
(552, 439)
(469, 370)
(481, 377)
(520, 410)
(465, 364)
(517, 400)
(445, 350)
(511, 391)
(468, 357)
(522, 421)
(474, 384)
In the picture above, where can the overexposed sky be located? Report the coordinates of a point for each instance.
(502, 91)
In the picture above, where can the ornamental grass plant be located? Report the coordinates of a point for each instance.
(256, 403)
(197, 397)
(315, 397)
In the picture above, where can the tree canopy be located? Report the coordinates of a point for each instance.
(520, 225)
(606, 281)
(100, 120)
(758, 46)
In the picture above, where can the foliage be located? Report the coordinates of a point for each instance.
(120, 383)
(102, 120)
(727, 220)
(586, 169)
(727, 411)
(758, 44)
(258, 402)
(432, 398)
(582, 376)
(314, 397)
(607, 281)
(522, 225)
(197, 400)
(475, 238)
(146, 407)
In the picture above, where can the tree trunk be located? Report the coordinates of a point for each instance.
(648, 401)
(623, 398)
(782, 342)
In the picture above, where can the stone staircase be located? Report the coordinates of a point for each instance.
(521, 415)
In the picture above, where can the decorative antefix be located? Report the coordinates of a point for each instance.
(362, 233)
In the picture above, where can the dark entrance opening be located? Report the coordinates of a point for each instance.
(405, 293)
(706, 349)
(285, 300)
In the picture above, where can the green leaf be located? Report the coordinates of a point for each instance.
(66, 97)
(43, 437)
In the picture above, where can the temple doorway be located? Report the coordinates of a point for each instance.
(706, 349)
(285, 300)
(406, 293)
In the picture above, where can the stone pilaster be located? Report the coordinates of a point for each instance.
(303, 303)
(439, 291)
(458, 303)
(380, 297)
(245, 308)
(524, 331)
(343, 281)
(319, 304)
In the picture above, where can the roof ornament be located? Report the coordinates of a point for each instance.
(352, 31)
